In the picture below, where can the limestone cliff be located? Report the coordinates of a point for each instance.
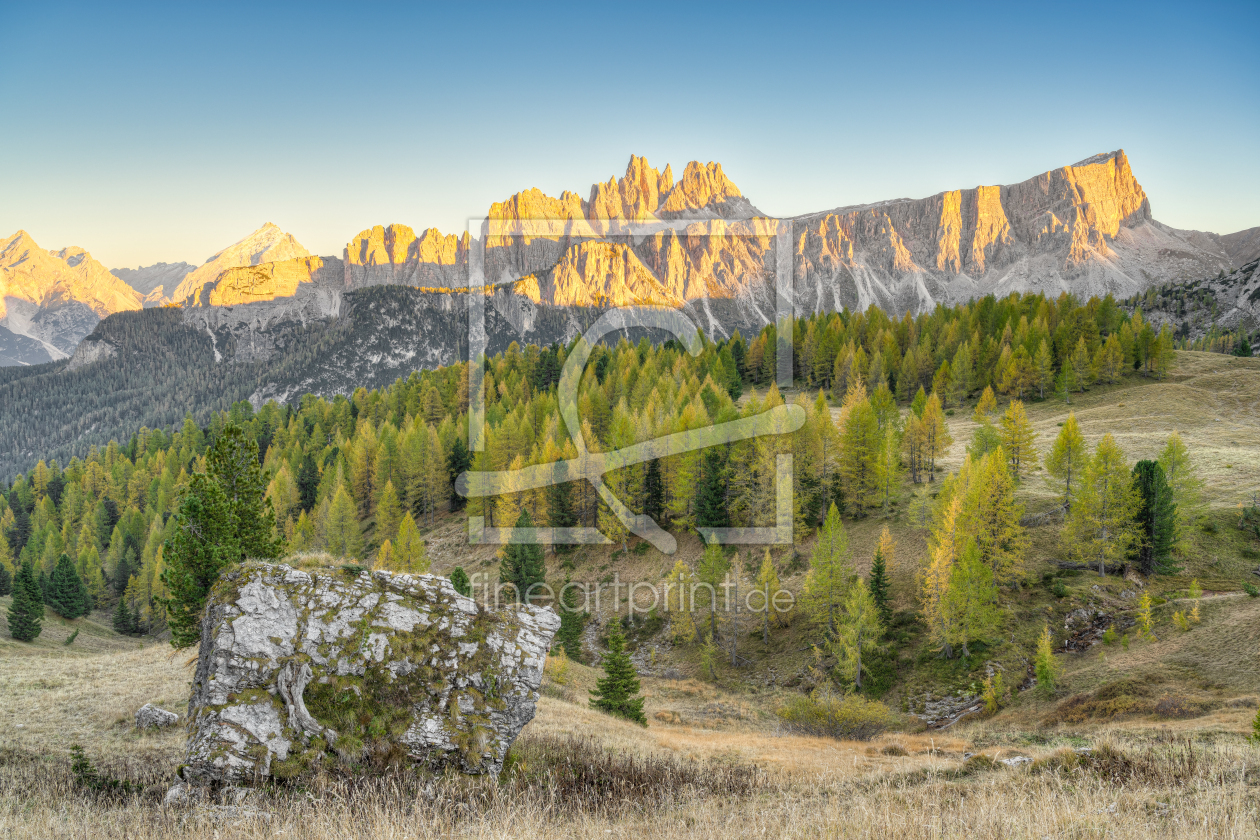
(267, 244)
(268, 281)
(395, 255)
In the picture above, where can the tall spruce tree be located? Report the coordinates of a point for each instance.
(617, 691)
(6, 580)
(458, 462)
(523, 565)
(124, 622)
(878, 585)
(26, 612)
(224, 517)
(1156, 520)
(560, 513)
(308, 483)
(654, 491)
(711, 507)
(572, 621)
(65, 589)
(233, 463)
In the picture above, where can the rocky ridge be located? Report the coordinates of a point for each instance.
(152, 282)
(54, 298)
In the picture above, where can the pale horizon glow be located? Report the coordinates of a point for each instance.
(164, 134)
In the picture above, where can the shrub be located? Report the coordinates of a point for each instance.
(1255, 728)
(1059, 590)
(88, 777)
(1179, 618)
(1251, 590)
(586, 777)
(1109, 635)
(994, 695)
(828, 713)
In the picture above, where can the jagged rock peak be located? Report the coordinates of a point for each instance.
(267, 244)
(394, 254)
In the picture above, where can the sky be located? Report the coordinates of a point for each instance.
(164, 132)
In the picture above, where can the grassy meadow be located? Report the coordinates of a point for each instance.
(1144, 738)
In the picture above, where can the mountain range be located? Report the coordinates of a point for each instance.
(1085, 228)
(265, 319)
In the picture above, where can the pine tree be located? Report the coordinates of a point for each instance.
(919, 403)
(879, 585)
(26, 612)
(617, 691)
(20, 530)
(6, 580)
(572, 622)
(457, 463)
(233, 463)
(65, 589)
(523, 565)
(224, 517)
(307, 483)
(936, 437)
(123, 621)
(860, 459)
(711, 506)
(827, 582)
(1067, 459)
(560, 513)
(200, 548)
(971, 599)
(654, 492)
(1017, 439)
(459, 580)
(1156, 520)
(1046, 667)
(679, 603)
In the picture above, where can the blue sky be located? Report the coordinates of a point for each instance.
(164, 132)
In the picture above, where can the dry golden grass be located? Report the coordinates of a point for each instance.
(911, 786)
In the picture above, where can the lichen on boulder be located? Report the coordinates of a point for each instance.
(365, 668)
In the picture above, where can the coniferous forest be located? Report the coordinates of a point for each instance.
(362, 476)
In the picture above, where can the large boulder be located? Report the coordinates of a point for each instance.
(149, 716)
(301, 667)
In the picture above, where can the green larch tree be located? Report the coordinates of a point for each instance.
(1018, 439)
(859, 631)
(1101, 528)
(827, 583)
(1067, 460)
